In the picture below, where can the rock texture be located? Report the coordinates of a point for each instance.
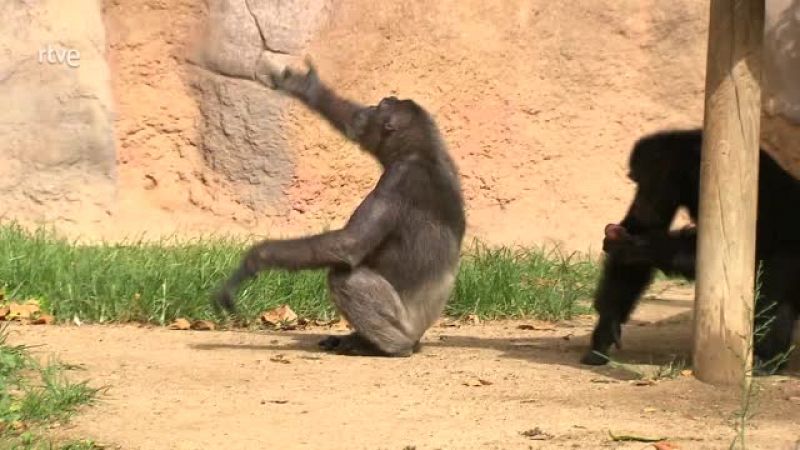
(539, 114)
(57, 154)
(244, 126)
(782, 58)
(781, 84)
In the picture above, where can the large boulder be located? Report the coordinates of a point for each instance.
(782, 58)
(57, 155)
(245, 127)
(781, 85)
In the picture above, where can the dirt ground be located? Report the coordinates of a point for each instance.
(258, 389)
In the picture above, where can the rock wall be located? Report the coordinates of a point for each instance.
(57, 155)
(539, 102)
(781, 85)
(782, 58)
(244, 126)
(538, 112)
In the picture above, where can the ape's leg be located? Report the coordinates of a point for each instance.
(619, 289)
(776, 312)
(376, 312)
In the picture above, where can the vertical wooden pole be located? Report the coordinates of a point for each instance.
(728, 193)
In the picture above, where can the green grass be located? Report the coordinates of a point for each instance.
(504, 282)
(33, 395)
(158, 281)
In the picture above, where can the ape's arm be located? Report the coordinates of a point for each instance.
(309, 89)
(672, 252)
(372, 221)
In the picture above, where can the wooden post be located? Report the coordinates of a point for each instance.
(728, 194)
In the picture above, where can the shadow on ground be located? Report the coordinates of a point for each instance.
(645, 340)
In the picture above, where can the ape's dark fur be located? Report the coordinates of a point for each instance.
(393, 265)
(666, 169)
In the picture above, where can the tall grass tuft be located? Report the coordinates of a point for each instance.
(514, 283)
(34, 394)
(157, 281)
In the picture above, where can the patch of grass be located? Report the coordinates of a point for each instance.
(159, 281)
(152, 282)
(523, 282)
(30, 441)
(33, 395)
(750, 386)
(670, 370)
(667, 371)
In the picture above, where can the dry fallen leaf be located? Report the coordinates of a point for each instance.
(239, 322)
(4, 310)
(472, 319)
(27, 310)
(665, 445)
(203, 325)
(476, 382)
(686, 372)
(180, 324)
(44, 319)
(649, 410)
(533, 327)
(280, 317)
(447, 323)
(341, 325)
(280, 359)
(536, 434)
(633, 438)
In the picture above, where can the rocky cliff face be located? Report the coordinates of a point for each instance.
(782, 59)
(245, 126)
(781, 84)
(539, 102)
(57, 154)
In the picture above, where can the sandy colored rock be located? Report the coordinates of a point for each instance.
(58, 159)
(781, 89)
(539, 114)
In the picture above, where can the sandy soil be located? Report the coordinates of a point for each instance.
(258, 389)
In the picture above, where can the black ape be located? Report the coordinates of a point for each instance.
(672, 252)
(393, 265)
(666, 169)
